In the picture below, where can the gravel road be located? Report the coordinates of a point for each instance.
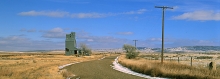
(98, 69)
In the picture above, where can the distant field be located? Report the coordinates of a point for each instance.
(150, 64)
(37, 65)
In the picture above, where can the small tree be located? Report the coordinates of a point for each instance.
(85, 49)
(130, 51)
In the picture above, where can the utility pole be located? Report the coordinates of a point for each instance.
(135, 43)
(163, 8)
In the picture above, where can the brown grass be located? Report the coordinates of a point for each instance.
(168, 69)
(37, 65)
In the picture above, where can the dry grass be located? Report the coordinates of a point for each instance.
(168, 69)
(37, 65)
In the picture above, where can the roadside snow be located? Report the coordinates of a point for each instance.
(101, 58)
(61, 67)
(123, 69)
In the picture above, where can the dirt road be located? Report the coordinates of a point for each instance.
(99, 69)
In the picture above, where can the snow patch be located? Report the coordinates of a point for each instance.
(123, 69)
(61, 67)
(101, 58)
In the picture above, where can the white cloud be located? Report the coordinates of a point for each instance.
(174, 8)
(45, 13)
(22, 43)
(199, 15)
(84, 35)
(155, 39)
(90, 40)
(99, 42)
(54, 33)
(71, 1)
(56, 30)
(64, 14)
(112, 42)
(89, 15)
(125, 33)
(31, 30)
(19, 43)
(27, 30)
(141, 11)
(77, 15)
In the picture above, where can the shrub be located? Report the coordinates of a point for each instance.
(87, 51)
(130, 51)
(34, 61)
(67, 74)
(204, 57)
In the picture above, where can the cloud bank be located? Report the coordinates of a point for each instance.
(199, 15)
(19, 43)
(54, 33)
(44, 13)
(125, 33)
(62, 14)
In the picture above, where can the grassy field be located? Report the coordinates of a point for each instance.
(150, 64)
(37, 65)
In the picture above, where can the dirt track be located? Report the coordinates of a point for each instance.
(99, 69)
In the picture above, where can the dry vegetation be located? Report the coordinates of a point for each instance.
(169, 69)
(37, 65)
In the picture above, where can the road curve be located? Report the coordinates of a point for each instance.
(98, 69)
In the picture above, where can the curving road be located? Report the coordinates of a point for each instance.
(98, 69)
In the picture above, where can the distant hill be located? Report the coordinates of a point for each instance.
(202, 48)
(183, 49)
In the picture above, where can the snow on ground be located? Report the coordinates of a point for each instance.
(123, 69)
(61, 67)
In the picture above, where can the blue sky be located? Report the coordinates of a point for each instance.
(105, 24)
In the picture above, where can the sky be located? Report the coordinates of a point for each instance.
(107, 24)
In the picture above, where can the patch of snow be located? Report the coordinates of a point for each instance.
(101, 58)
(123, 69)
(61, 67)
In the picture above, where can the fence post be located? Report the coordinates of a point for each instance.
(178, 59)
(170, 58)
(212, 66)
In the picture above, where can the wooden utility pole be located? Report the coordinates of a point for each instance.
(163, 8)
(135, 43)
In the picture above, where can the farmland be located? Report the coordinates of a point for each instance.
(37, 65)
